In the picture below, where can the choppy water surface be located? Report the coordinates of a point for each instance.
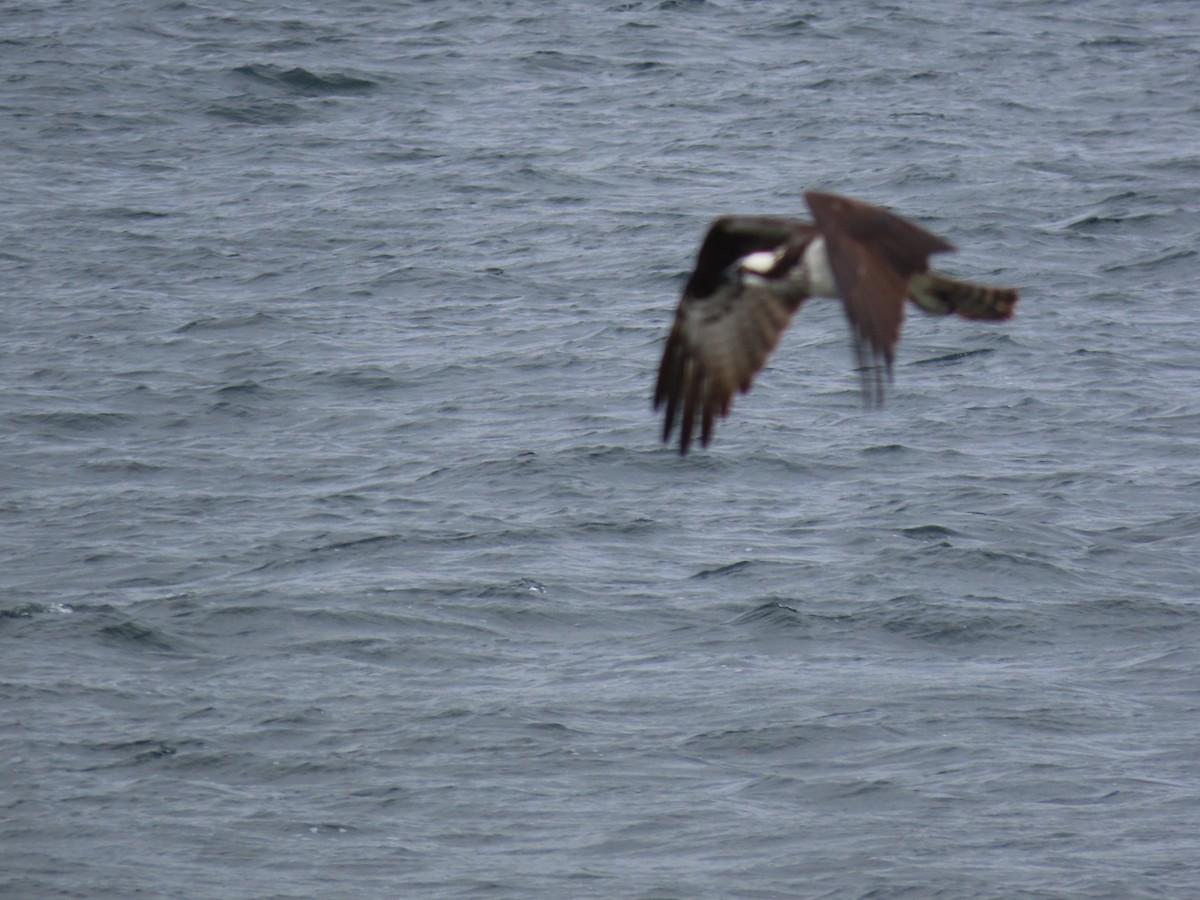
(341, 557)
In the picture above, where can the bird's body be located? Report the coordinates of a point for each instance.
(816, 273)
(753, 272)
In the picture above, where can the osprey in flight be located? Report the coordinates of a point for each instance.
(752, 274)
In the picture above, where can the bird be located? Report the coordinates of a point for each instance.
(753, 272)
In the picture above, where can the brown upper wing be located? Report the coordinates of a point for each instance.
(873, 254)
(725, 327)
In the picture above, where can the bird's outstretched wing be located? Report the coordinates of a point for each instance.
(728, 321)
(873, 254)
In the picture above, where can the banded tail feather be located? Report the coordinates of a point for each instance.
(941, 296)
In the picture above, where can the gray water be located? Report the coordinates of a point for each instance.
(341, 557)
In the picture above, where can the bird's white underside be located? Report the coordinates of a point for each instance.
(816, 271)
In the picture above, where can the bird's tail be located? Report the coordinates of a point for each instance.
(941, 296)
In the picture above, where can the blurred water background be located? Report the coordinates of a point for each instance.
(341, 557)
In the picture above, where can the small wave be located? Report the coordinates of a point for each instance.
(24, 611)
(304, 81)
(241, 388)
(142, 637)
(127, 212)
(557, 61)
(772, 612)
(137, 752)
(117, 467)
(1152, 261)
(720, 571)
(370, 378)
(968, 620)
(73, 421)
(1112, 41)
(951, 357)
(255, 112)
(1097, 222)
(212, 323)
(928, 532)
